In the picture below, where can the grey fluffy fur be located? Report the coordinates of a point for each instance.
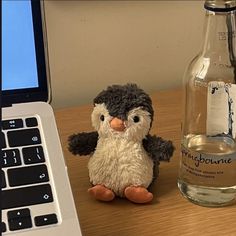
(121, 99)
(83, 143)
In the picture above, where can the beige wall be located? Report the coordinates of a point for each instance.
(93, 44)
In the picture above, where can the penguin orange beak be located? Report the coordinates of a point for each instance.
(117, 124)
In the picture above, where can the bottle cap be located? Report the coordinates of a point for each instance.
(220, 5)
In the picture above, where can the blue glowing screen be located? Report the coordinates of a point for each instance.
(19, 65)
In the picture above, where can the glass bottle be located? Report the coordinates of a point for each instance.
(207, 174)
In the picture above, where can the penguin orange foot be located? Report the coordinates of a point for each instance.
(102, 193)
(138, 194)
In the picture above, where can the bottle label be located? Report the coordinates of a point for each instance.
(208, 169)
(221, 109)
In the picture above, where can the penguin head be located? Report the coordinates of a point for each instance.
(123, 111)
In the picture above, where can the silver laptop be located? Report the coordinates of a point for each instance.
(36, 194)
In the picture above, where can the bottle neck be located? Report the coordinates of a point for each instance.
(220, 34)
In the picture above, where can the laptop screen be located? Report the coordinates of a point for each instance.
(23, 58)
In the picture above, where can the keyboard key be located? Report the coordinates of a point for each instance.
(33, 155)
(20, 223)
(23, 137)
(10, 157)
(20, 213)
(19, 219)
(2, 140)
(45, 220)
(3, 227)
(27, 175)
(3, 179)
(12, 124)
(27, 196)
(31, 122)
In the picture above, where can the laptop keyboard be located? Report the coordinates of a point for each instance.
(25, 178)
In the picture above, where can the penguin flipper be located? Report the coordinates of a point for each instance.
(158, 148)
(83, 143)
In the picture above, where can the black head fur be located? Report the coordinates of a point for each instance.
(120, 99)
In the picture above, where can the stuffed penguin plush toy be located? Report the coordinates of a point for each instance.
(124, 156)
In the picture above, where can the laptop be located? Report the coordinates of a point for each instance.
(36, 197)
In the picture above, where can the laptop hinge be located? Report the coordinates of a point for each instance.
(7, 105)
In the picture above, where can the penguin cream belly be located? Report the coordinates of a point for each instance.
(119, 163)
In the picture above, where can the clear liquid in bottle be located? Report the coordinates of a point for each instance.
(206, 175)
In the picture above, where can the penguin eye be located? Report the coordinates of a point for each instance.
(136, 119)
(102, 118)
